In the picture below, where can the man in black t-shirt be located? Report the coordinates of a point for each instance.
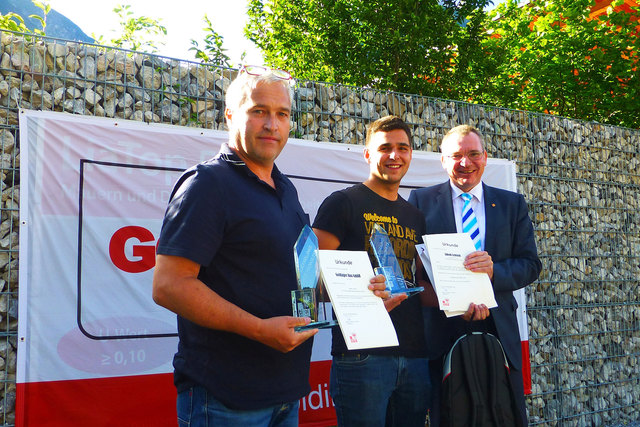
(382, 386)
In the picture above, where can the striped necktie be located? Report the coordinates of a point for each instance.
(469, 220)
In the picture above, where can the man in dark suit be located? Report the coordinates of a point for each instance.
(507, 253)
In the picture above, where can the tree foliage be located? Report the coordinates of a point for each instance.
(137, 33)
(14, 22)
(46, 8)
(404, 45)
(544, 56)
(213, 51)
(551, 56)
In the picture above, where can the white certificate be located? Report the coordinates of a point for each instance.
(455, 286)
(363, 319)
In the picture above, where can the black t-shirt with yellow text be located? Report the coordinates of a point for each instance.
(349, 215)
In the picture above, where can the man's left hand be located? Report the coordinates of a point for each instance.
(479, 262)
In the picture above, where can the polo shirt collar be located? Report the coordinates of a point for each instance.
(230, 157)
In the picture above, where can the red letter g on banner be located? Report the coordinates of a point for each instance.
(145, 252)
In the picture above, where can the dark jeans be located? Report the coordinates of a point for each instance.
(196, 407)
(370, 390)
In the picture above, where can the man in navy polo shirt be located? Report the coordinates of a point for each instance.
(225, 266)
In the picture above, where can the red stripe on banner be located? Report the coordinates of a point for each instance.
(316, 408)
(150, 400)
(146, 400)
(526, 367)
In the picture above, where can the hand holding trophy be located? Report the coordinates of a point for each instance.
(309, 297)
(388, 264)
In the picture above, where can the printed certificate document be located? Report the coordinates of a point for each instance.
(456, 287)
(426, 263)
(363, 319)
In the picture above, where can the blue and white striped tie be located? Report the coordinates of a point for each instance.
(469, 221)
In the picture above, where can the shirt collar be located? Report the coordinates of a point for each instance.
(476, 191)
(230, 156)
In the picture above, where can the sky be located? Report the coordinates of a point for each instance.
(183, 21)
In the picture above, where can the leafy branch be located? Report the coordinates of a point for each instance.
(137, 33)
(14, 22)
(212, 52)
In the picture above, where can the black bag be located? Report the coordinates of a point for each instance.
(476, 390)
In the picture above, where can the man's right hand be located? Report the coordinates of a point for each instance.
(476, 312)
(278, 332)
(176, 286)
(394, 301)
(378, 287)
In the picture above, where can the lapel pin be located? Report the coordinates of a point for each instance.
(493, 205)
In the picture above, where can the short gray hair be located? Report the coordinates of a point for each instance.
(244, 83)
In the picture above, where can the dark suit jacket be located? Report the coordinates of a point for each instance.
(509, 240)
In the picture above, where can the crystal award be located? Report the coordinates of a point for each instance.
(388, 264)
(308, 299)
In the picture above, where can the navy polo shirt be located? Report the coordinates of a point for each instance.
(241, 231)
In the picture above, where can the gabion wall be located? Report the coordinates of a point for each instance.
(581, 181)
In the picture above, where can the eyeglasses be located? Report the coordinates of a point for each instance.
(259, 70)
(471, 155)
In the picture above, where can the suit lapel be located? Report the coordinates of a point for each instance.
(445, 209)
(491, 218)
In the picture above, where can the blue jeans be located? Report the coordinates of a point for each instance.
(370, 390)
(197, 408)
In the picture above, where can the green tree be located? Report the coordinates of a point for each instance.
(550, 56)
(547, 56)
(212, 52)
(137, 33)
(404, 45)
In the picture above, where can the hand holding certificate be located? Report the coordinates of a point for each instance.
(456, 287)
(363, 319)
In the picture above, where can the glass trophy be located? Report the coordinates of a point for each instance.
(308, 299)
(388, 264)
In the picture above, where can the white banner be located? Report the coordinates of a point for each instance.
(93, 194)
